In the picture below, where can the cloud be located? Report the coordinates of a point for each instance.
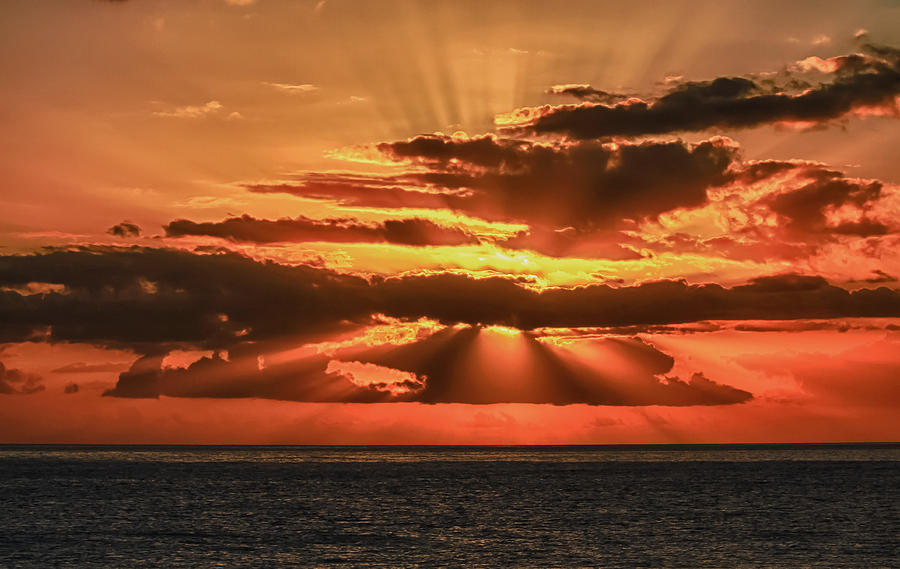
(621, 201)
(579, 184)
(125, 229)
(17, 382)
(862, 84)
(413, 232)
(860, 376)
(791, 210)
(546, 374)
(571, 242)
(881, 277)
(304, 379)
(430, 370)
(453, 298)
(82, 367)
(365, 191)
(587, 93)
(805, 210)
(193, 111)
(159, 299)
(292, 88)
(840, 325)
(142, 298)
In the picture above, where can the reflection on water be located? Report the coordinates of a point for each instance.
(622, 506)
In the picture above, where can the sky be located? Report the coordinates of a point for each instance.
(400, 222)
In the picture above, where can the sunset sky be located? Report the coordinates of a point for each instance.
(331, 221)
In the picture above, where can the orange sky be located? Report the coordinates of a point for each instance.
(322, 221)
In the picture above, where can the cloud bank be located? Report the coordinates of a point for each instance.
(863, 84)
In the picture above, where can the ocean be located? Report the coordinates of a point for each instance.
(568, 506)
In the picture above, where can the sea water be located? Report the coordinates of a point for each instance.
(567, 506)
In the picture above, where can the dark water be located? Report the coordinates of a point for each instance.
(688, 506)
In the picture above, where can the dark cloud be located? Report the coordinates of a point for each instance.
(805, 209)
(82, 367)
(589, 199)
(155, 300)
(446, 367)
(420, 232)
(757, 171)
(486, 151)
(795, 326)
(582, 184)
(415, 231)
(454, 298)
(70, 388)
(150, 299)
(701, 327)
(306, 378)
(142, 380)
(449, 360)
(859, 82)
(656, 329)
(138, 298)
(124, 229)
(587, 93)
(18, 382)
(881, 277)
(368, 191)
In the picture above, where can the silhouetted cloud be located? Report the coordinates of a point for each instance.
(415, 231)
(428, 371)
(881, 277)
(124, 229)
(146, 298)
(579, 184)
(590, 199)
(141, 297)
(582, 184)
(82, 367)
(863, 83)
(304, 379)
(18, 382)
(360, 190)
(454, 298)
(805, 209)
(587, 93)
(548, 374)
(781, 210)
